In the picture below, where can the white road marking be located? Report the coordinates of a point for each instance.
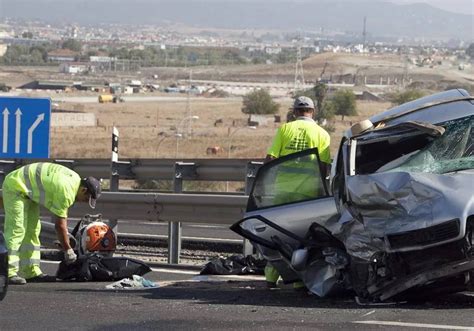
(416, 325)
(369, 313)
(175, 271)
(224, 278)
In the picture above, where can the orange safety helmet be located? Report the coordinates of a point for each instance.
(97, 237)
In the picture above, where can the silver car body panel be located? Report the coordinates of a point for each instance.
(405, 204)
(397, 202)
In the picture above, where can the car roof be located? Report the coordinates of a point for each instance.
(433, 109)
(419, 104)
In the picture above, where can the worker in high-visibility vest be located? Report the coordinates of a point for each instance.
(297, 180)
(54, 187)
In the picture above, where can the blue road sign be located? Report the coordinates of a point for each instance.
(24, 127)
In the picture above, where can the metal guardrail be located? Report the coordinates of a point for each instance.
(145, 169)
(168, 207)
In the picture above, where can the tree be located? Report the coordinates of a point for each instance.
(72, 44)
(320, 91)
(27, 35)
(403, 97)
(344, 103)
(259, 102)
(470, 50)
(328, 110)
(12, 54)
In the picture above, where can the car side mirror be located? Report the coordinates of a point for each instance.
(299, 259)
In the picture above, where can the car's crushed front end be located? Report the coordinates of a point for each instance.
(408, 216)
(403, 188)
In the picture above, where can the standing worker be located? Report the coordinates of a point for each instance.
(53, 186)
(292, 137)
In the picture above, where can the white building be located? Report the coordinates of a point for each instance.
(72, 67)
(3, 49)
(272, 50)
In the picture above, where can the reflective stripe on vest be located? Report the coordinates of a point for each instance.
(29, 248)
(13, 252)
(14, 264)
(28, 262)
(39, 183)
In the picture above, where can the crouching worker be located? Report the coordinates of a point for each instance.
(56, 188)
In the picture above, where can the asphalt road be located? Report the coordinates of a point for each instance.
(184, 302)
(145, 98)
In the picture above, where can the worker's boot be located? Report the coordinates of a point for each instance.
(16, 280)
(299, 286)
(271, 276)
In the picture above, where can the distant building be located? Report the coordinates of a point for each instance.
(70, 119)
(260, 120)
(47, 85)
(272, 50)
(252, 49)
(367, 96)
(3, 49)
(73, 67)
(134, 83)
(23, 41)
(62, 55)
(101, 59)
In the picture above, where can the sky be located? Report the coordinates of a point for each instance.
(457, 6)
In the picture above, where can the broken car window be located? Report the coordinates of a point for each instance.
(453, 151)
(293, 180)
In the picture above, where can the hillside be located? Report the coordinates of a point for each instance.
(383, 18)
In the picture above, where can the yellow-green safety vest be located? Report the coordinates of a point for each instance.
(299, 179)
(51, 185)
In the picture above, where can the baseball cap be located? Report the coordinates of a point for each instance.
(93, 187)
(303, 102)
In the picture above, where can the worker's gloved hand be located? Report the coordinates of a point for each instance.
(70, 256)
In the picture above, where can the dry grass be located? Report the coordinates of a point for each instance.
(140, 125)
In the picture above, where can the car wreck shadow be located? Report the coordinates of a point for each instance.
(256, 294)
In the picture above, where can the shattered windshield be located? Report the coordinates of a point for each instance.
(453, 151)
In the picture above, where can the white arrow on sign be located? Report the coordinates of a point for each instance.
(18, 114)
(5, 130)
(30, 132)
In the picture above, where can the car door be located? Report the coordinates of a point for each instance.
(288, 195)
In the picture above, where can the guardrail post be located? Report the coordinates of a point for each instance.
(251, 173)
(114, 173)
(182, 171)
(6, 167)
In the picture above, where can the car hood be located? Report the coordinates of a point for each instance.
(390, 203)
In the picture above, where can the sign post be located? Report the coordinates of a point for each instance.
(25, 127)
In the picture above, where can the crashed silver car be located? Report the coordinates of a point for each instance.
(395, 220)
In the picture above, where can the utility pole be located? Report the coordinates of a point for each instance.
(189, 129)
(299, 75)
(405, 67)
(364, 33)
